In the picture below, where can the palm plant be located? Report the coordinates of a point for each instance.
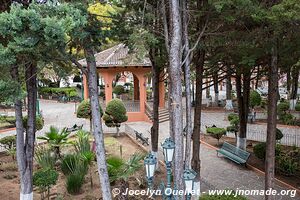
(56, 139)
(128, 168)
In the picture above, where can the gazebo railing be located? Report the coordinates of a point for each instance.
(130, 105)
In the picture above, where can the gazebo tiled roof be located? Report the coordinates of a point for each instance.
(118, 56)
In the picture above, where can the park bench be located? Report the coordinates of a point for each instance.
(139, 136)
(234, 153)
(74, 128)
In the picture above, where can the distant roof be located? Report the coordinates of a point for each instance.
(119, 56)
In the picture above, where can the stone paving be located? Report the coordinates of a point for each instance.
(216, 172)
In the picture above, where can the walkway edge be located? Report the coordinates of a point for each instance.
(8, 129)
(257, 170)
(142, 147)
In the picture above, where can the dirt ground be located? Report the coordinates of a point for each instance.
(9, 179)
(254, 161)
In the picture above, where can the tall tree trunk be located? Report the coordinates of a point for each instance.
(26, 151)
(196, 162)
(97, 126)
(155, 125)
(187, 82)
(288, 82)
(243, 91)
(272, 120)
(216, 88)
(228, 105)
(176, 90)
(20, 137)
(154, 54)
(295, 80)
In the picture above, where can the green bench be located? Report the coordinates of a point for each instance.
(233, 153)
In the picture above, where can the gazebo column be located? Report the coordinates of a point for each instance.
(136, 89)
(85, 87)
(162, 91)
(108, 77)
(143, 95)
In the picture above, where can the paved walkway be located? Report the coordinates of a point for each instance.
(216, 173)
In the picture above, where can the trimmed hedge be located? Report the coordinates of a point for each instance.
(297, 107)
(115, 113)
(259, 150)
(232, 116)
(255, 99)
(216, 132)
(118, 90)
(84, 110)
(67, 91)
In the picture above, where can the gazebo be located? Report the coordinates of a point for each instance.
(117, 59)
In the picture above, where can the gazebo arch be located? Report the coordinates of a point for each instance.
(117, 60)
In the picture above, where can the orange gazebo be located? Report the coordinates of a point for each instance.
(115, 60)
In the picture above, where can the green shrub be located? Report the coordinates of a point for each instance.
(57, 91)
(297, 107)
(44, 158)
(259, 150)
(216, 132)
(8, 119)
(84, 110)
(114, 165)
(118, 90)
(287, 118)
(75, 168)
(39, 122)
(68, 164)
(8, 142)
(56, 139)
(44, 179)
(72, 94)
(286, 165)
(282, 107)
(74, 182)
(232, 116)
(12, 120)
(120, 170)
(115, 114)
(222, 197)
(232, 129)
(255, 99)
(82, 143)
(264, 104)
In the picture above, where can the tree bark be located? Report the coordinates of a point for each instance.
(26, 151)
(288, 82)
(176, 90)
(243, 92)
(187, 82)
(196, 162)
(295, 80)
(228, 105)
(216, 88)
(155, 125)
(97, 126)
(272, 120)
(20, 136)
